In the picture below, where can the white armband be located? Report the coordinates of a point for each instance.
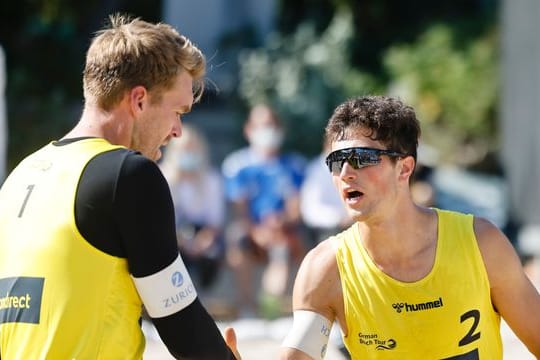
(167, 291)
(309, 333)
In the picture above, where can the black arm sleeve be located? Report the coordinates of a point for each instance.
(145, 216)
(202, 339)
(124, 208)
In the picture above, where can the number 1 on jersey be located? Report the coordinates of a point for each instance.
(29, 189)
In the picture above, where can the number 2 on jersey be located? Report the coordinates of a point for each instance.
(471, 335)
(29, 189)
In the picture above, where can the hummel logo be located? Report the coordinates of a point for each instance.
(418, 307)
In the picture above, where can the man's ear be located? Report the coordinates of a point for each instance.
(407, 167)
(138, 97)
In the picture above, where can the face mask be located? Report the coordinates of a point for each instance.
(189, 161)
(267, 138)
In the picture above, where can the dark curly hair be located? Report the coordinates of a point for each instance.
(381, 118)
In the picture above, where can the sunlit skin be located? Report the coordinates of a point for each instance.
(362, 190)
(158, 123)
(138, 123)
(401, 238)
(370, 194)
(375, 196)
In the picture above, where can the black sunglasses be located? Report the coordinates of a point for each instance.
(357, 157)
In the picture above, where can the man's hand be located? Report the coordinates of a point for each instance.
(230, 339)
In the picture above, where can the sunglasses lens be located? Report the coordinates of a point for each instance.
(356, 157)
(336, 165)
(354, 162)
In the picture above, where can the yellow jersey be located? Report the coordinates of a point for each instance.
(60, 297)
(446, 315)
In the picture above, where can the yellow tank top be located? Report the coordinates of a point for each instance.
(60, 298)
(446, 315)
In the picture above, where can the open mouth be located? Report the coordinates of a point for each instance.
(354, 194)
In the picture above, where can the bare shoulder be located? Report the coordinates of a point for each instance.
(500, 257)
(317, 286)
(512, 293)
(322, 255)
(491, 240)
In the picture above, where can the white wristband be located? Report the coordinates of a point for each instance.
(167, 291)
(309, 333)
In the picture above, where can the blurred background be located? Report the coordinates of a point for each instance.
(470, 68)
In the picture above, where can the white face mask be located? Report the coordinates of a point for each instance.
(189, 161)
(266, 138)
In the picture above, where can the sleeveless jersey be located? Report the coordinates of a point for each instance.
(446, 315)
(60, 297)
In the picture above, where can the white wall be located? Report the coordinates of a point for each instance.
(520, 113)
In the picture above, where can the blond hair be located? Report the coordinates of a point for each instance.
(131, 52)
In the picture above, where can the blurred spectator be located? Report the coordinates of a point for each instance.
(199, 202)
(321, 207)
(323, 212)
(3, 120)
(262, 184)
(422, 189)
(422, 185)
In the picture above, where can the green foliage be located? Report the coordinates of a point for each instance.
(39, 121)
(45, 44)
(453, 88)
(448, 75)
(304, 76)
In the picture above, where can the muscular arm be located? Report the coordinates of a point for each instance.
(124, 208)
(512, 293)
(317, 288)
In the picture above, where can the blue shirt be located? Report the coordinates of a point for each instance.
(264, 183)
